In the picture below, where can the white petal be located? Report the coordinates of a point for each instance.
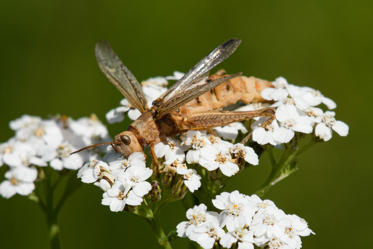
(329, 103)
(192, 156)
(261, 136)
(56, 164)
(229, 169)
(134, 114)
(7, 190)
(142, 188)
(113, 116)
(245, 245)
(133, 199)
(341, 128)
(323, 132)
(227, 240)
(74, 161)
(25, 188)
(181, 229)
(116, 205)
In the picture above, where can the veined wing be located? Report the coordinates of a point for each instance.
(192, 80)
(120, 76)
(184, 97)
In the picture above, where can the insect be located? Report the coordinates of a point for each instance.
(193, 103)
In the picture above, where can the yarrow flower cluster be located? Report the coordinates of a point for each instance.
(205, 150)
(243, 222)
(297, 110)
(196, 160)
(123, 180)
(39, 143)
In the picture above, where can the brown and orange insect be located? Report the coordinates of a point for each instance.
(193, 103)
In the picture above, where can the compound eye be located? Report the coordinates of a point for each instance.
(125, 139)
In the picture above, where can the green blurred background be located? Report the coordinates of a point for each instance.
(47, 66)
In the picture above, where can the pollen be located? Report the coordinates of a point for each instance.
(121, 195)
(269, 220)
(13, 181)
(8, 150)
(290, 232)
(221, 158)
(39, 132)
(213, 139)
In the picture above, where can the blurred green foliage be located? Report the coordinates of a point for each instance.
(48, 67)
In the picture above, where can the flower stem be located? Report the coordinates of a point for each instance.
(285, 166)
(159, 233)
(54, 230)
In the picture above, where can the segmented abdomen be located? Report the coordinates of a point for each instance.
(242, 88)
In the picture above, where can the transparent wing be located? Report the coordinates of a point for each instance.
(119, 75)
(189, 94)
(192, 80)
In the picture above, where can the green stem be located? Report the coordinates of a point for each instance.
(159, 233)
(278, 168)
(54, 230)
(285, 166)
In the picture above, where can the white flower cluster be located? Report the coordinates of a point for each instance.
(123, 180)
(209, 151)
(243, 222)
(297, 111)
(38, 143)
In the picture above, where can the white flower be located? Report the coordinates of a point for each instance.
(279, 92)
(305, 97)
(117, 163)
(171, 151)
(20, 180)
(17, 154)
(207, 234)
(231, 130)
(248, 220)
(246, 153)
(203, 227)
(291, 228)
(238, 233)
(266, 224)
(117, 114)
(236, 209)
(64, 159)
(91, 129)
(97, 171)
(195, 140)
(191, 179)
(272, 134)
(135, 177)
(197, 215)
(290, 118)
(176, 76)
(128, 189)
(37, 131)
(116, 197)
(323, 130)
(218, 157)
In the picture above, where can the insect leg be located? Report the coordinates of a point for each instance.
(156, 165)
(206, 120)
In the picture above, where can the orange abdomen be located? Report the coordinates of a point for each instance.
(242, 88)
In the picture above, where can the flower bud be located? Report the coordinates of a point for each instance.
(179, 189)
(167, 179)
(156, 192)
